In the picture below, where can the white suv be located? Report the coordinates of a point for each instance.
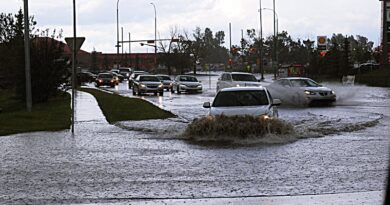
(237, 79)
(253, 101)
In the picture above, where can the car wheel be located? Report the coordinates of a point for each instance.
(178, 90)
(134, 93)
(155, 93)
(172, 91)
(161, 93)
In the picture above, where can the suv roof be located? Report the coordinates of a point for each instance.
(241, 88)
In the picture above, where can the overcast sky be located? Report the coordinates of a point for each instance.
(96, 19)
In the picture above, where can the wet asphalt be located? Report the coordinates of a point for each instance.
(338, 149)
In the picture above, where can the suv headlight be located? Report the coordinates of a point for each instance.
(160, 86)
(333, 92)
(308, 92)
(142, 85)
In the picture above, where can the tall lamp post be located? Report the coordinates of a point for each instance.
(155, 34)
(117, 34)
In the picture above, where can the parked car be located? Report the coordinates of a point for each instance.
(301, 91)
(126, 72)
(85, 77)
(133, 76)
(148, 84)
(105, 79)
(237, 79)
(186, 83)
(166, 80)
(253, 101)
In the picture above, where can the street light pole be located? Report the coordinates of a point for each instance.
(27, 57)
(117, 34)
(155, 34)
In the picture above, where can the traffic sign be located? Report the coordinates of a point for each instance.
(79, 42)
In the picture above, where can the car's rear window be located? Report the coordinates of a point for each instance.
(244, 77)
(149, 78)
(240, 98)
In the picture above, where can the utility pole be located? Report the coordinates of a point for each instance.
(261, 43)
(122, 43)
(155, 35)
(130, 48)
(117, 34)
(27, 57)
(74, 64)
(274, 61)
(230, 46)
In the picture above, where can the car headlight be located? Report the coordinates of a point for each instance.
(333, 92)
(199, 86)
(142, 86)
(161, 85)
(238, 85)
(112, 81)
(100, 81)
(308, 92)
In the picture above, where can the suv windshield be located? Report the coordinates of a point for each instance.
(243, 77)
(240, 98)
(149, 78)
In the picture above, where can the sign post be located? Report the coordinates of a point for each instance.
(75, 44)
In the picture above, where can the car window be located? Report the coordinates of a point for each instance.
(240, 98)
(284, 82)
(188, 79)
(149, 78)
(244, 77)
(304, 83)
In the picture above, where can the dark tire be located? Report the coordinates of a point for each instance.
(178, 90)
(155, 93)
(161, 93)
(134, 93)
(172, 91)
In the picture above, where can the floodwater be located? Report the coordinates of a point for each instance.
(342, 148)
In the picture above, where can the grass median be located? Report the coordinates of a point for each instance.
(53, 115)
(118, 108)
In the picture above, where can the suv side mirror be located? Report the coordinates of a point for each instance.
(276, 102)
(206, 105)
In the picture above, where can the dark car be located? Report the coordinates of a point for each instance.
(126, 72)
(85, 77)
(166, 80)
(147, 84)
(105, 79)
(134, 75)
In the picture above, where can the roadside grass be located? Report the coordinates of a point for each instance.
(118, 108)
(231, 128)
(53, 115)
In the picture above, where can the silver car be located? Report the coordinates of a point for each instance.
(147, 84)
(237, 79)
(186, 83)
(301, 91)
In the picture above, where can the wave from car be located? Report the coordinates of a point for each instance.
(237, 79)
(301, 91)
(253, 101)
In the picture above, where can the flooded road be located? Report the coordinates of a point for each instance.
(338, 149)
